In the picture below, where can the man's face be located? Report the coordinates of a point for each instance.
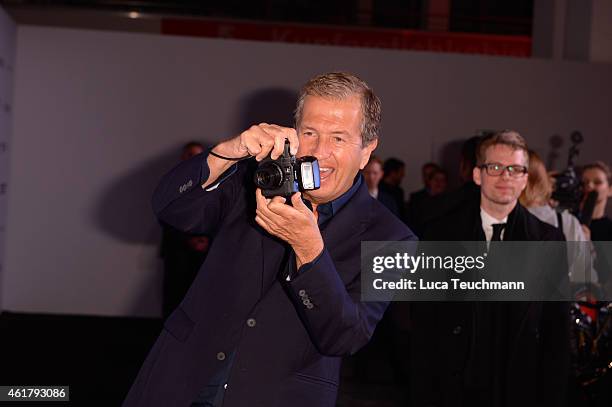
(373, 173)
(330, 130)
(426, 174)
(437, 184)
(503, 189)
(396, 177)
(594, 179)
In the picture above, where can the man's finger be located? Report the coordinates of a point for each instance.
(283, 210)
(260, 221)
(279, 146)
(252, 147)
(279, 199)
(279, 135)
(262, 201)
(263, 216)
(284, 133)
(267, 144)
(294, 142)
(296, 201)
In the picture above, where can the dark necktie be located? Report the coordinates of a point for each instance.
(497, 230)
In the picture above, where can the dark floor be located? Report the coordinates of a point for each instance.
(98, 357)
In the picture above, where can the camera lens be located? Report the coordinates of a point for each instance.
(269, 176)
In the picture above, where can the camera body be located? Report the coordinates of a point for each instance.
(568, 186)
(287, 175)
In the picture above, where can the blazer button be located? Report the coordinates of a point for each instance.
(457, 330)
(220, 356)
(302, 293)
(251, 322)
(306, 301)
(309, 306)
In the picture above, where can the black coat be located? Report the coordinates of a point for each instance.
(287, 337)
(389, 202)
(490, 353)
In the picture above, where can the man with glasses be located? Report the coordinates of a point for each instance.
(492, 353)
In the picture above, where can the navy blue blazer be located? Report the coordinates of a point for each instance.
(287, 351)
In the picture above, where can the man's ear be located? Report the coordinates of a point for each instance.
(476, 175)
(366, 152)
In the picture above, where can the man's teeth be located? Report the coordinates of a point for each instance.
(325, 169)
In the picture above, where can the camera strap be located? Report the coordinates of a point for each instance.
(228, 158)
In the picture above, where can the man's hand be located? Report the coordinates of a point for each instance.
(296, 225)
(259, 141)
(265, 139)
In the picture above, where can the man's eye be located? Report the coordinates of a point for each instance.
(337, 139)
(308, 133)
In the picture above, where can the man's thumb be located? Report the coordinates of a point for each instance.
(296, 201)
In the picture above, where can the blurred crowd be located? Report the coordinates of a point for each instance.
(434, 199)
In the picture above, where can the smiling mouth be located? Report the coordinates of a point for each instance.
(325, 172)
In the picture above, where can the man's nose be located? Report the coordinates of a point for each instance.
(505, 174)
(322, 148)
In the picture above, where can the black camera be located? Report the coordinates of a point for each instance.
(568, 187)
(287, 175)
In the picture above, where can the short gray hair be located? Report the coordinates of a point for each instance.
(343, 85)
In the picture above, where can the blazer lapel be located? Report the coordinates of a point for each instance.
(349, 223)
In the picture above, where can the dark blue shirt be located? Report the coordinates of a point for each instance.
(327, 210)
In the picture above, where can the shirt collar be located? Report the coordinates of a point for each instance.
(487, 224)
(327, 210)
(488, 220)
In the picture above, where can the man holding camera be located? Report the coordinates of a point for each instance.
(472, 354)
(277, 302)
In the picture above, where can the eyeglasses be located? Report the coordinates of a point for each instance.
(495, 170)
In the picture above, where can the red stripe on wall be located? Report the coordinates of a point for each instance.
(517, 46)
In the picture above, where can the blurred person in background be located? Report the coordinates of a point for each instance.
(535, 197)
(467, 193)
(373, 174)
(435, 182)
(191, 149)
(438, 182)
(596, 177)
(394, 171)
(426, 171)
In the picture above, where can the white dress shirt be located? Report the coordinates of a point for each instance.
(487, 225)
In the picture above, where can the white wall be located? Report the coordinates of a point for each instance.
(100, 115)
(8, 38)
